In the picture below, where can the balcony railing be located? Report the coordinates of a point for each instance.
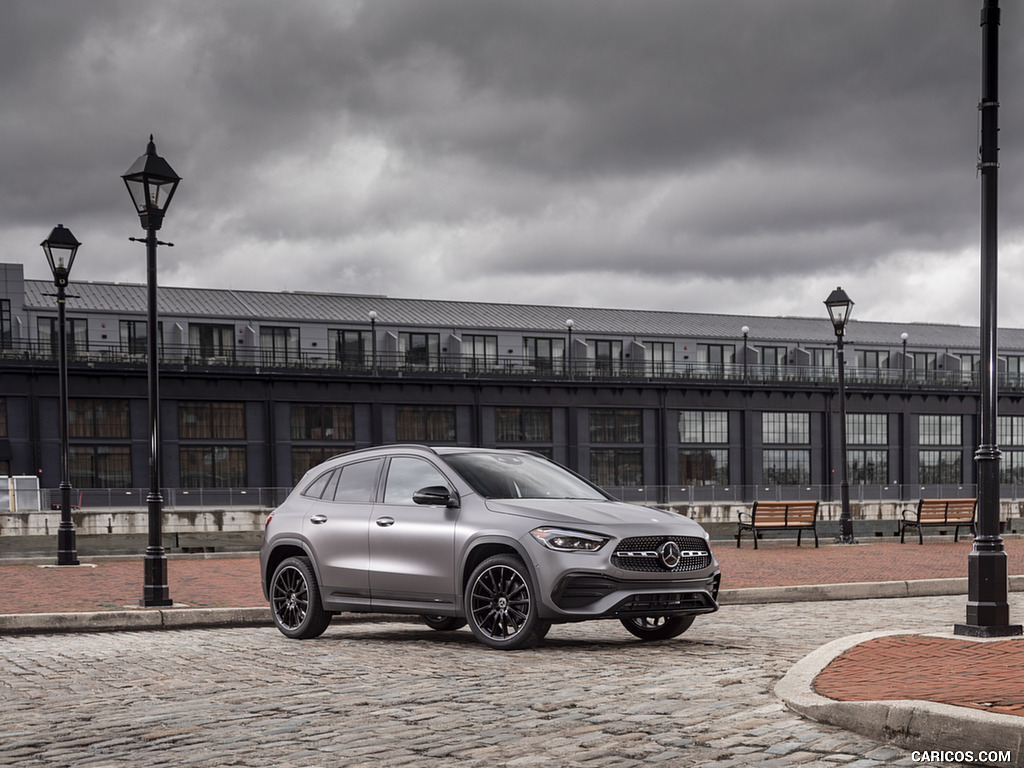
(389, 363)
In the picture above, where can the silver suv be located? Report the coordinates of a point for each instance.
(506, 541)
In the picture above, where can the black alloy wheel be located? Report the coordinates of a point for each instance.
(657, 627)
(501, 605)
(295, 600)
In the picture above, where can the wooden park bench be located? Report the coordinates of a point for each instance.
(939, 513)
(796, 516)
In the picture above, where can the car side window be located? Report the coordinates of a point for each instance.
(406, 475)
(316, 488)
(358, 482)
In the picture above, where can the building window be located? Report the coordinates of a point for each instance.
(425, 424)
(322, 422)
(783, 467)
(279, 345)
(661, 357)
(211, 343)
(544, 355)
(823, 357)
(703, 466)
(1014, 367)
(940, 430)
(100, 466)
(868, 466)
(98, 418)
(774, 355)
(211, 421)
(703, 427)
(1010, 437)
(786, 428)
(48, 334)
(607, 355)
(871, 358)
(940, 467)
(923, 361)
(786, 467)
(212, 466)
(420, 350)
(481, 352)
(3, 417)
(6, 332)
(616, 467)
(522, 425)
(352, 349)
(616, 426)
(713, 358)
(699, 465)
(867, 429)
(134, 340)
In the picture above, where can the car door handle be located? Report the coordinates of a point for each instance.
(385, 522)
(318, 519)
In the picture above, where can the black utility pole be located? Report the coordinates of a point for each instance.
(988, 612)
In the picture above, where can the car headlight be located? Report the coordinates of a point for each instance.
(562, 540)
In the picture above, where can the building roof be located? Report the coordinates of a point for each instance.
(352, 309)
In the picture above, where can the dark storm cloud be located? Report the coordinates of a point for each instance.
(414, 147)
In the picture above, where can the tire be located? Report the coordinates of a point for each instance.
(502, 605)
(657, 627)
(444, 623)
(295, 600)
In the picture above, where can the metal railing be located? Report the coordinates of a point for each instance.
(268, 498)
(389, 363)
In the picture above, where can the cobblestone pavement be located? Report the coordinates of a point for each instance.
(394, 693)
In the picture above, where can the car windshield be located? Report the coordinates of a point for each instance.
(519, 476)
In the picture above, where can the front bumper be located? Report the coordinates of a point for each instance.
(595, 595)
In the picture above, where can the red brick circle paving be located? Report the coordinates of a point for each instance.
(968, 673)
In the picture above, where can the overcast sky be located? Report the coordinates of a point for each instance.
(733, 156)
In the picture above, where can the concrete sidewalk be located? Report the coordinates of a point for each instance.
(906, 689)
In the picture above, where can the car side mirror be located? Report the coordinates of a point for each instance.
(436, 495)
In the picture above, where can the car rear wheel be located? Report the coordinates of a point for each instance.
(444, 623)
(502, 606)
(295, 600)
(657, 627)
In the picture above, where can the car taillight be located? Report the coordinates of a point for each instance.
(269, 518)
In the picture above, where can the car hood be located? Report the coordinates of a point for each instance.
(592, 513)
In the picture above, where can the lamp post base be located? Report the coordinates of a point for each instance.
(67, 548)
(977, 630)
(155, 592)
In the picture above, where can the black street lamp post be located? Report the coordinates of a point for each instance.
(904, 336)
(988, 609)
(839, 306)
(373, 341)
(151, 183)
(746, 331)
(568, 350)
(61, 245)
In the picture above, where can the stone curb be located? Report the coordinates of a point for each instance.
(910, 724)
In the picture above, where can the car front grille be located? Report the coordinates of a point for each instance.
(642, 553)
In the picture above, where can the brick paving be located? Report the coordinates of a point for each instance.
(984, 675)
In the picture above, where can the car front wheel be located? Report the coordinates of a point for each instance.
(502, 606)
(657, 627)
(295, 600)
